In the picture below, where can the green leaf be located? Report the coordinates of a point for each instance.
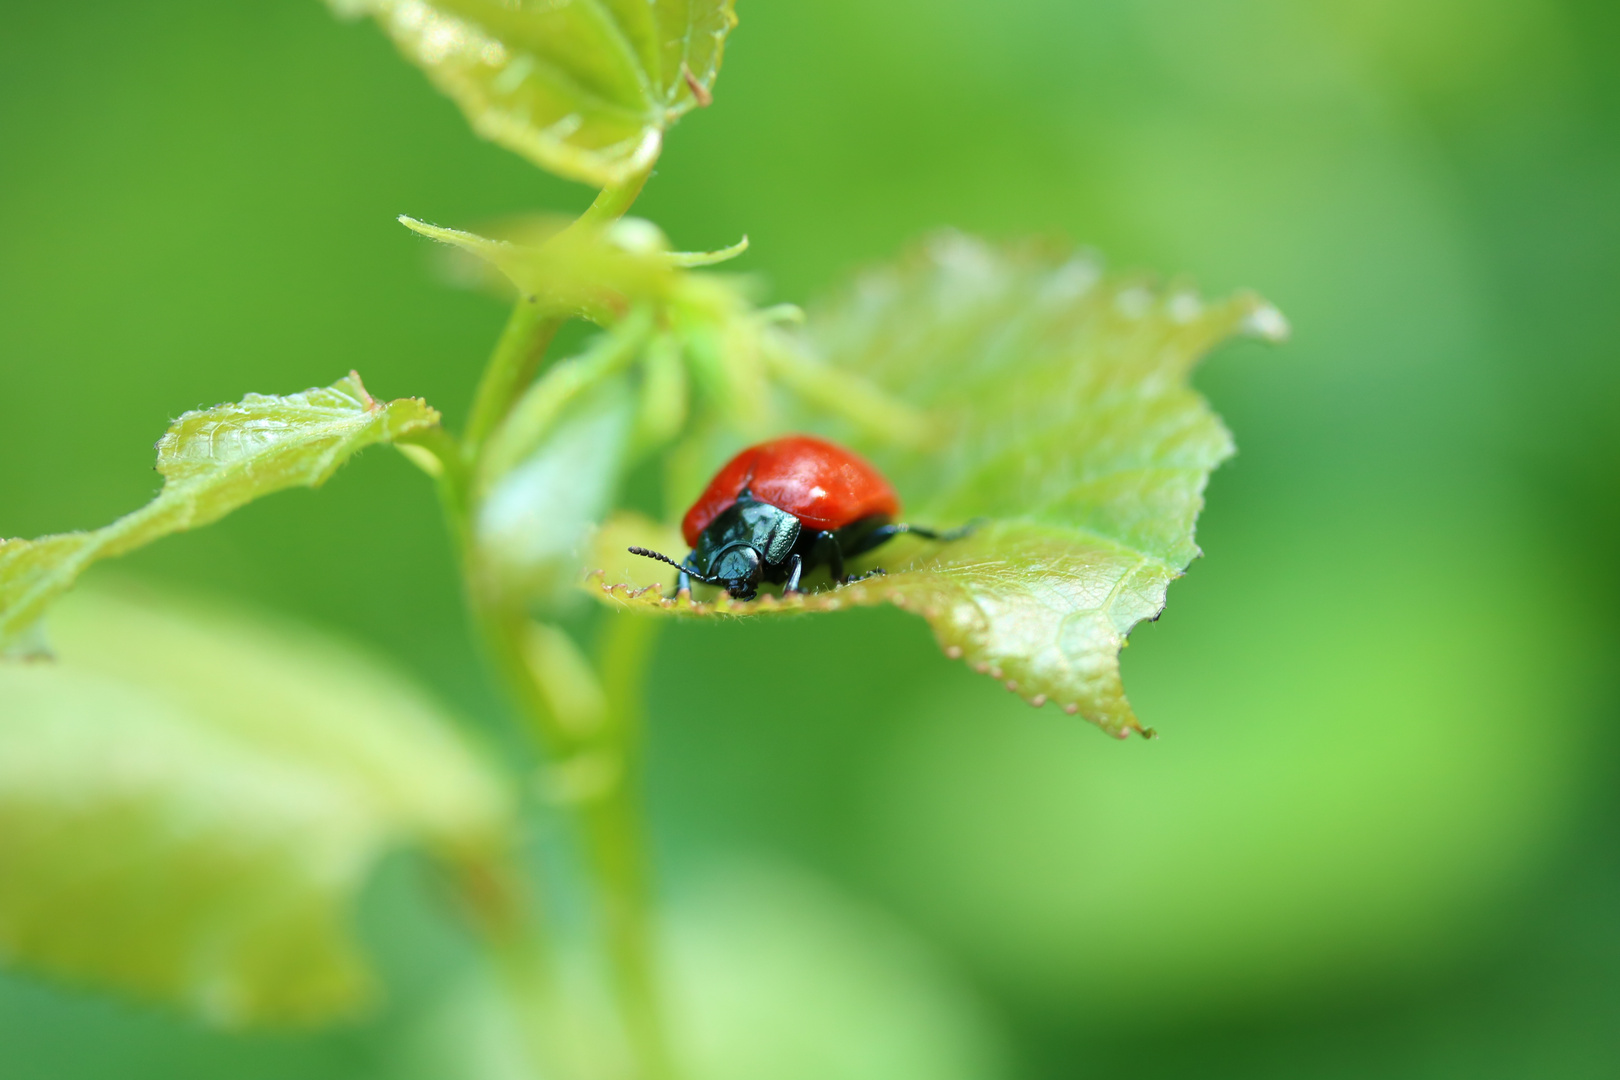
(531, 522)
(584, 89)
(709, 323)
(191, 800)
(771, 974)
(549, 400)
(212, 461)
(1070, 426)
(588, 272)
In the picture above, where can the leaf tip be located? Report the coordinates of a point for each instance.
(700, 93)
(369, 402)
(693, 259)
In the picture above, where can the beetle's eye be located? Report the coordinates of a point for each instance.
(740, 569)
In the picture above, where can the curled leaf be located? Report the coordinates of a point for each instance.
(588, 272)
(585, 90)
(213, 461)
(1071, 427)
(708, 258)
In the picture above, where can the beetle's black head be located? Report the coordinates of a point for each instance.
(738, 546)
(738, 570)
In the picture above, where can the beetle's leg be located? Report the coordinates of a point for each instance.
(884, 533)
(836, 562)
(792, 585)
(826, 549)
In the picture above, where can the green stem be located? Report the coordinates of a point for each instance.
(610, 820)
(498, 897)
(518, 354)
(616, 841)
(502, 629)
(453, 478)
(530, 329)
(612, 202)
(506, 916)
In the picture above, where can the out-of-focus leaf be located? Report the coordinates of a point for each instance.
(531, 523)
(770, 973)
(212, 461)
(190, 801)
(1069, 424)
(584, 88)
(549, 400)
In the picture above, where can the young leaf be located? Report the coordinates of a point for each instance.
(212, 461)
(530, 522)
(593, 273)
(732, 349)
(584, 89)
(1070, 427)
(191, 800)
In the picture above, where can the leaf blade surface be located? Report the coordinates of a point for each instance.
(212, 461)
(584, 89)
(1069, 425)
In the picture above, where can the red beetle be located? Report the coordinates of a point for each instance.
(780, 509)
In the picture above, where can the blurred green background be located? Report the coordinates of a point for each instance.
(1379, 835)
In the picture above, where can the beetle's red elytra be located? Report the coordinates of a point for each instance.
(822, 484)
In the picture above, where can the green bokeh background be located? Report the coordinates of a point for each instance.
(1379, 834)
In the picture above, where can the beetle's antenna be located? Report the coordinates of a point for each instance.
(647, 553)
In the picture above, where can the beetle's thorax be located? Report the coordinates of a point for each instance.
(771, 532)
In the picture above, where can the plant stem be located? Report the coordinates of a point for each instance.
(506, 916)
(518, 353)
(499, 898)
(616, 841)
(609, 819)
(530, 329)
(612, 202)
